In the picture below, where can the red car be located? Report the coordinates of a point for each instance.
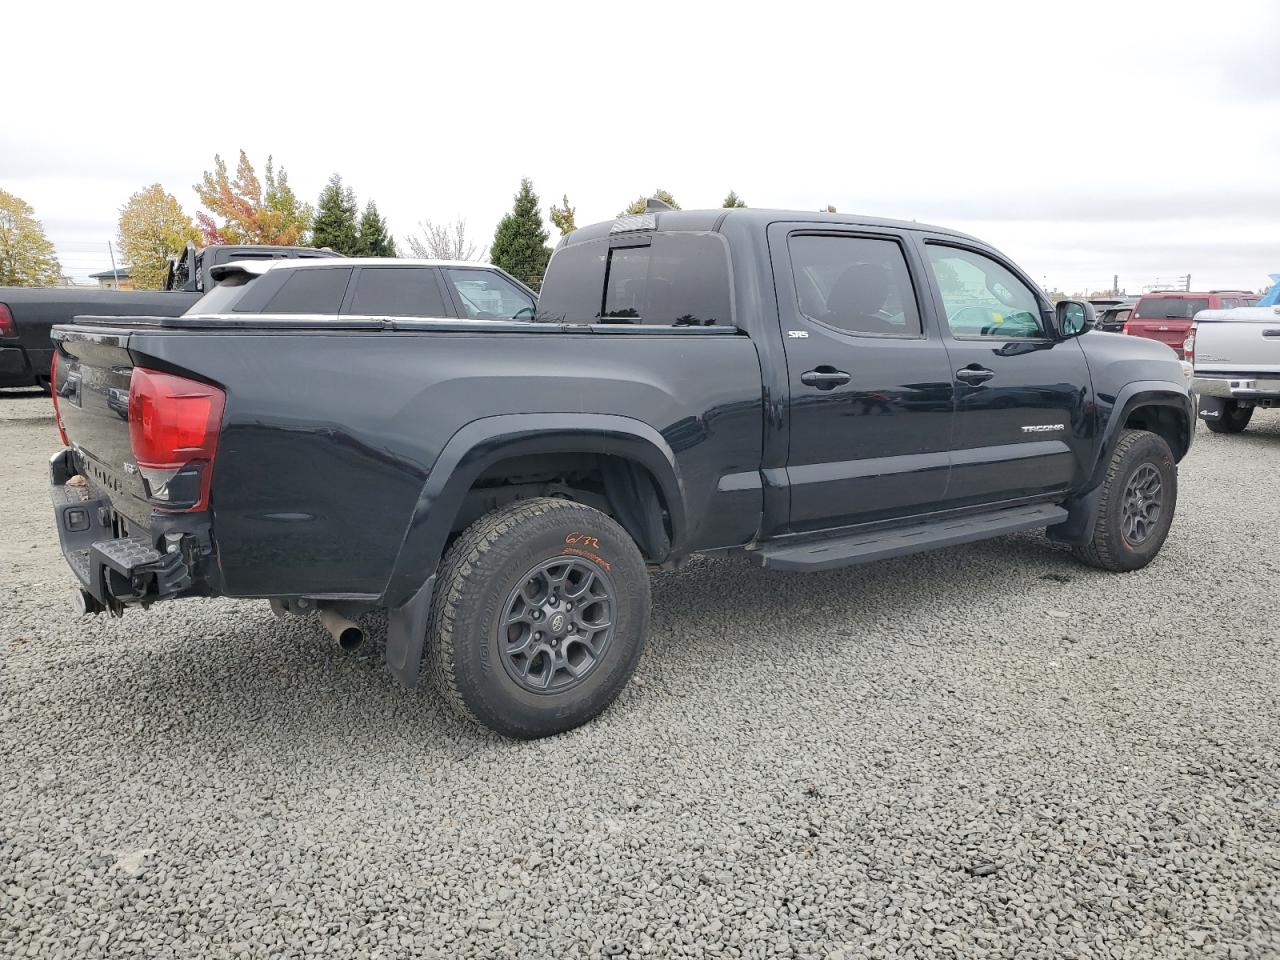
(1166, 315)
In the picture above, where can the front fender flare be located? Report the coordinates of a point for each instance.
(1083, 505)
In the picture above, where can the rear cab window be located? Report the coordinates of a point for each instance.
(662, 279)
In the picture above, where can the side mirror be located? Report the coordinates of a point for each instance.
(1073, 317)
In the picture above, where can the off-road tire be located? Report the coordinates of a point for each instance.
(1107, 548)
(481, 569)
(1233, 420)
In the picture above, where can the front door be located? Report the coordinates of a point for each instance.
(870, 402)
(1022, 427)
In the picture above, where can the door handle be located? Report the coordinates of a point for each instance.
(974, 374)
(825, 377)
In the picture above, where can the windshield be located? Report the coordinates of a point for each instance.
(1171, 308)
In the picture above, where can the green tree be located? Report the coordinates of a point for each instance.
(250, 215)
(374, 239)
(733, 200)
(637, 205)
(26, 254)
(152, 227)
(520, 242)
(562, 216)
(335, 224)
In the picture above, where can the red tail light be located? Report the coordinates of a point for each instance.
(1189, 345)
(53, 392)
(7, 327)
(1125, 329)
(173, 430)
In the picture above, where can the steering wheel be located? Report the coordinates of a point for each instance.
(519, 314)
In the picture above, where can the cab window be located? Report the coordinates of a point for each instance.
(486, 295)
(857, 284)
(310, 290)
(982, 297)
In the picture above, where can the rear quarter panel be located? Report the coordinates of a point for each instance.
(329, 438)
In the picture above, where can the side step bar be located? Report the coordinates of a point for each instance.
(883, 544)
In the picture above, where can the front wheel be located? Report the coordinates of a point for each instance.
(1234, 418)
(1138, 494)
(540, 617)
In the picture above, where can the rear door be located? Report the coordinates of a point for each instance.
(1022, 426)
(870, 400)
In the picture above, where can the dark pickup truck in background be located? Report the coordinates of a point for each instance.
(804, 390)
(27, 314)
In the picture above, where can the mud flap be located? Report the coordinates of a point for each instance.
(407, 633)
(1082, 514)
(1211, 408)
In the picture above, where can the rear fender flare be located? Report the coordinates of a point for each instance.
(482, 443)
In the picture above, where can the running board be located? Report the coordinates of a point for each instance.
(898, 542)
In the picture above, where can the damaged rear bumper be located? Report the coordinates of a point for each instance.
(112, 570)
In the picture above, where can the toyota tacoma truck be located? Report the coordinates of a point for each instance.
(1235, 356)
(28, 314)
(807, 391)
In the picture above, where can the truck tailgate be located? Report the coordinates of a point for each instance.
(92, 385)
(1245, 344)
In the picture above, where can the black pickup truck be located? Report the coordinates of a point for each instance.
(28, 314)
(804, 390)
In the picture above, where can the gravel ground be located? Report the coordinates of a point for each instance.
(987, 751)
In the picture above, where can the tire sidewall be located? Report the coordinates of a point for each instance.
(1148, 448)
(483, 681)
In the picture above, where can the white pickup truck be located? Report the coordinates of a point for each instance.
(1236, 358)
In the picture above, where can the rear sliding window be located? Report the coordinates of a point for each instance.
(1170, 308)
(312, 290)
(675, 279)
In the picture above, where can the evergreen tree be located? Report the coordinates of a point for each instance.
(375, 239)
(733, 200)
(520, 242)
(335, 221)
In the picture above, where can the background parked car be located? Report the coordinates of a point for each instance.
(1166, 315)
(1112, 315)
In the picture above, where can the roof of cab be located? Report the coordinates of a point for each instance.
(698, 220)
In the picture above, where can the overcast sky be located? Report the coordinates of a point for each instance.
(1084, 139)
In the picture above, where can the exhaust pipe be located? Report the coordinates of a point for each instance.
(346, 632)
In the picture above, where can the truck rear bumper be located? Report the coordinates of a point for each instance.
(1261, 387)
(18, 368)
(112, 570)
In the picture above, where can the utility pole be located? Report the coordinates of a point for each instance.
(1115, 285)
(114, 272)
(1187, 288)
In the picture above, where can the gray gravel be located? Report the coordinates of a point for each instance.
(988, 751)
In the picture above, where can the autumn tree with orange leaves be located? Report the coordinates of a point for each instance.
(249, 213)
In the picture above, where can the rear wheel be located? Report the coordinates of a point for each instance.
(1139, 495)
(540, 617)
(1233, 420)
